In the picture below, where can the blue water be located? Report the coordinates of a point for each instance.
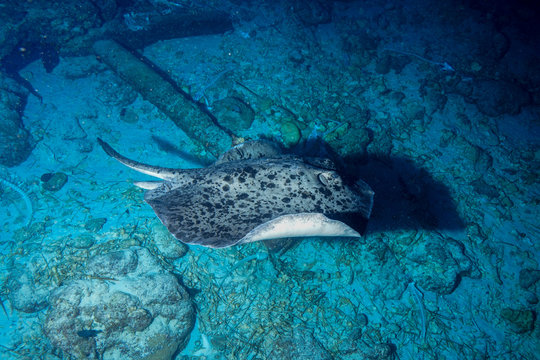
(435, 105)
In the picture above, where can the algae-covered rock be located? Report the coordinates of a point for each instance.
(528, 277)
(299, 343)
(53, 181)
(290, 134)
(483, 188)
(168, 245)
(436, 262)
(233, 113)
(94, 225)
(347, 141)
(520, 321)
(25, 294)
(313, 12)
(114, 264)
(480, 159)
(15, 141)
(129, 116)
(129, 308)
(495, 97)
(84, 241)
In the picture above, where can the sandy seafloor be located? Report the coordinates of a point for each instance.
(356, 298)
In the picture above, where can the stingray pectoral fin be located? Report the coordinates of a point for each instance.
(156, 171)
(299, 225)
(148, 185)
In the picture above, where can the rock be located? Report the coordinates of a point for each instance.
(479, 157)
(84, 241)
(414, 111)
(137, 311)
(15, 146)
(483, 161)
(483, 188)
(437, 263)
(528, 277)
(382, 351)
(25, 295)
(434, 101)
(114, 264)
(350, 142)
(129, 115)
(233, 113)
(447, 138)
(94, 225)
(75, 68)
(381, 146)
(313, 12)
(494, 98)
(168, 245)
(395, 98)
(531, 298)
(384, 64)
(299, 344)
(84, 145)
(519, 321)
(296, 57)
(290, 134)
(53, 181)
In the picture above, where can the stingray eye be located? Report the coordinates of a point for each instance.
(323, 178)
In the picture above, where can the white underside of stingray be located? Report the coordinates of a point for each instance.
(299, 225)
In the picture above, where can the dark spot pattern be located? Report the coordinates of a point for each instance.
(218, 205)
(242, 196)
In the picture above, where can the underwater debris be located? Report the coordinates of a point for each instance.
(158, 90)
(24, 197)
(257, 256)
(4, 307)
(418, 298)
(444, 66)
(201, 93)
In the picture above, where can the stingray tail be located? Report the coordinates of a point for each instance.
(156, 171)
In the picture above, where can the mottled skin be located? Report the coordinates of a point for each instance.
(218, 205)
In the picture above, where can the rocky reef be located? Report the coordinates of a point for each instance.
(127, 307)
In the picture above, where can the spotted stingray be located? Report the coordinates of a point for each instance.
(253, 192)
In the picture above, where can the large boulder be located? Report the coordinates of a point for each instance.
(129, 307)
(15, 141)
(496, 97)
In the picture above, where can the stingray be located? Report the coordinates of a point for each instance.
(254, 192)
